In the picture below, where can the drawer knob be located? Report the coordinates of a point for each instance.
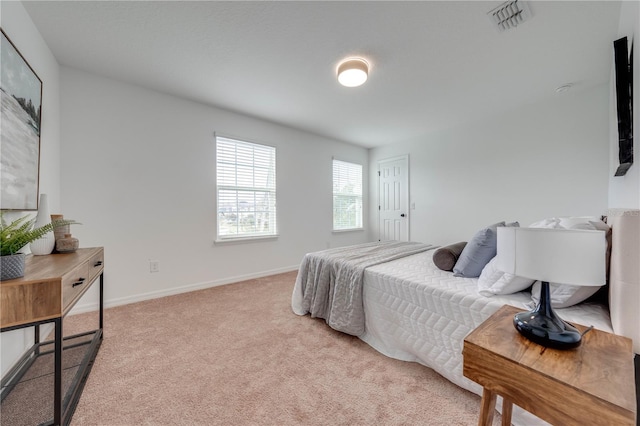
(98, 263)
(79, 282)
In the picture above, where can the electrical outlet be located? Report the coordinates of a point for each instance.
(154, 266)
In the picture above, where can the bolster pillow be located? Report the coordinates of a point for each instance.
(446, 257)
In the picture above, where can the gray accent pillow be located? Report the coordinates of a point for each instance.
(478, 252)
(446, 257)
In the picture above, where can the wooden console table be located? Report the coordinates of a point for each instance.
(51, 286)
(592, 384)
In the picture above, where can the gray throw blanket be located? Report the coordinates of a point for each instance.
(329, 282)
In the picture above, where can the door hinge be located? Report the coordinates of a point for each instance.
(378, 172)
(379, 208)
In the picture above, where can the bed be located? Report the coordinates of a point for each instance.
(414, 311)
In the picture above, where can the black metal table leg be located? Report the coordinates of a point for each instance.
(36, 337)
(101, 298)
(637, 367)
(57, 391)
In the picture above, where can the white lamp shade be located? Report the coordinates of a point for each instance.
(574, 257)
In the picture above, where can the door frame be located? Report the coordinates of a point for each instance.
(404, 157)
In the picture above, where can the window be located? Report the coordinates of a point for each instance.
(347, 196)
(246, 188)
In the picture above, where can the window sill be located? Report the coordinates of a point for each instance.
(240, 240)
(339, 231)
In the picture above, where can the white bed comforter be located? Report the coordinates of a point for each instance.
(329, 282)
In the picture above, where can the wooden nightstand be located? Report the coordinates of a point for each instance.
(592, 384)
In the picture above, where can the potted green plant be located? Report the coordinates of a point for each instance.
(14, 236)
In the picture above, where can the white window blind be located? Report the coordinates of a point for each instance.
(347, 195)
(246, 188)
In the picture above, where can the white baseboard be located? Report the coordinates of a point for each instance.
(91, 307)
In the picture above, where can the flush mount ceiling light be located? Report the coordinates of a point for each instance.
(353, 72)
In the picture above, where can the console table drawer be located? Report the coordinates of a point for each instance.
(96, 265)
(73, 284)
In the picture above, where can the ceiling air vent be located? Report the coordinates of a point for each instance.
(510, 14)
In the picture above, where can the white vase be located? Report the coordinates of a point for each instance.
(46, 243)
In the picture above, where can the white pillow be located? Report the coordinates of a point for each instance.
(563, 295)
(600, 225)
(552, 222)
(494, 281)
(574, 222)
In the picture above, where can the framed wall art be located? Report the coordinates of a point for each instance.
(21, 108)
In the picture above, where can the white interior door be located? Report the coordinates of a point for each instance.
(393, 199)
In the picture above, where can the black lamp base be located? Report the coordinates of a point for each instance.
(544, 327)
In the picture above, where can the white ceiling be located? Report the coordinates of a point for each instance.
(434, 65)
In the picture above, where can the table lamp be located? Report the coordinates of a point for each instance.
(574, 257)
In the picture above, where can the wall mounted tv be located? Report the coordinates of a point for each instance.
(624, 102)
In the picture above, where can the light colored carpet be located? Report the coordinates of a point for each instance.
(237, 355)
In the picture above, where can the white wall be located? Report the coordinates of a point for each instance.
(542, 160)
(624, 191)
(138, 172)
(18, 26)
